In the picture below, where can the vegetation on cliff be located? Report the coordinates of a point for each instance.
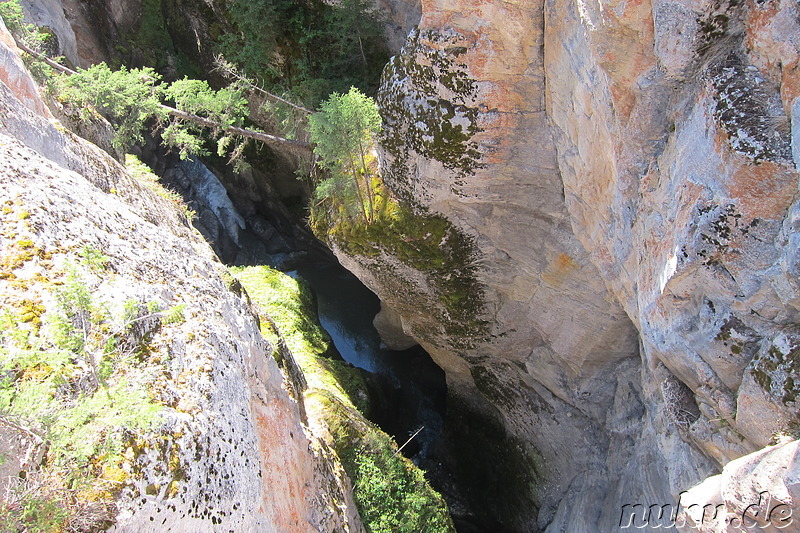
(391, 493)
(77, 368)
(307, 49)
(351, 205)
(352, 208)
(344, 132)
(134, 100)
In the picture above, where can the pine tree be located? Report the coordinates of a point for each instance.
(344, 133)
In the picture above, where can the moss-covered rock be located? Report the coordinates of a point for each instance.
(432, 246)
(426, 106)
(390, 492)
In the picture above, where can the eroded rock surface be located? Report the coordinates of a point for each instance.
(624, 174)
(618, 315)
(760, 491)
(230, 451)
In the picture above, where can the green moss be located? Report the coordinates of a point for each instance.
(439, 121)
(16, 255)
(31, 311)
(391, 493)
(433, 246)
(288, 312)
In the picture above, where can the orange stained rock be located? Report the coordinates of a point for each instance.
(283, 474)
(790, 85)
(763, 190)
(560, 268)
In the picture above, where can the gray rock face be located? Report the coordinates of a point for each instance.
(625, 172)
(759, 491)
(390, 327)
(50, 14)
(621, 182)
(231, 451)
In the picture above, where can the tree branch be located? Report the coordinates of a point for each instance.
(183, 115)
(229, 69)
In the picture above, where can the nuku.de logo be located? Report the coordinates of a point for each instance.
(758, 515)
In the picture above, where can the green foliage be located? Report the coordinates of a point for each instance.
(258, 24)
(70, 326)
(187, 140)
(309, 48)
(130, 98)
(28, 34)
(78, 382)
(95, 426)
(174, 315)
(93, 259)
(133, 99)
(14, 17)
(344, 133)
(391, 493)
(225, 108)
(33, 513)
(151, 36)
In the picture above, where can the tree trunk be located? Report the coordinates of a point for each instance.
(367, 181)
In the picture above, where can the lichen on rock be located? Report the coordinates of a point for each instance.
(427, 103)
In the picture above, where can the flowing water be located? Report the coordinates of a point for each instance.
(408, 389)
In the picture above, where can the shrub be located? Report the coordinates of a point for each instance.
(78, 387)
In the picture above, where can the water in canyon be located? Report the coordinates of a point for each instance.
(408, 389)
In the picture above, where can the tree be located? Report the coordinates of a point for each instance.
(344, 133)
(133, 98)
(359, 26)
(130, 98)
(306, 49)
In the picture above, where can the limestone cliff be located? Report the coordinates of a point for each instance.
(230, 449)
(622, 180)
(605, 255)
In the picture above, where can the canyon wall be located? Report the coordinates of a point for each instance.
(231, 450)
(614, 294)
(621, 176)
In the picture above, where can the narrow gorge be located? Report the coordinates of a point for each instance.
(580, 246)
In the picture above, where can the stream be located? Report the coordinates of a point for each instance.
(407, 389)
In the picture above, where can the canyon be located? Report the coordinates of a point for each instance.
(615, 298)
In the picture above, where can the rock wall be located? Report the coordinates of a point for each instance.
(620, 179)
(231, 451)
(625, 173)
